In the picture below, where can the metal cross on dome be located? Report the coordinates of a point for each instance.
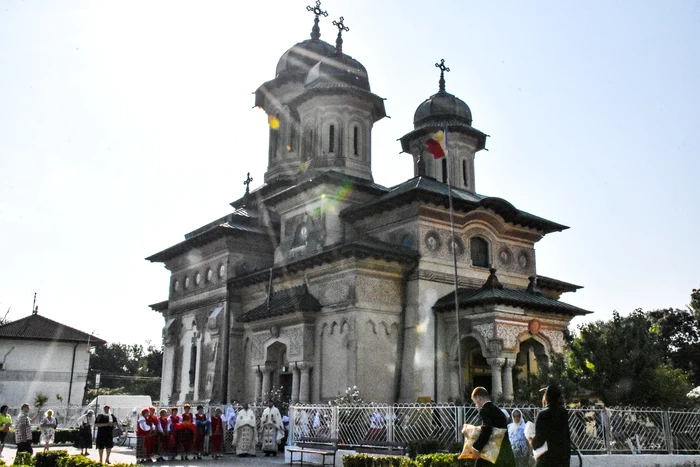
(341, 26)
(339, 40)
(247, 182)
(317, 9)
(443, 69)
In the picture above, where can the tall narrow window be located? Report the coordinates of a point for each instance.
(292, 139)
(464, 172)
(273, 143)
(193, 364)
(355, 141)
(331, 139)
(479, 252)
(444, 170)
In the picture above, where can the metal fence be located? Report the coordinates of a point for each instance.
(595, 430)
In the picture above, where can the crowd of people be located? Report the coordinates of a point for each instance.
(169, 434)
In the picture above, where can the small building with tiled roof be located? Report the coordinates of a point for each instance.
(40, 355)
(322, 279)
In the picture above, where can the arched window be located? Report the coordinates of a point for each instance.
(193, 364)
(444, 170)
(273, 143)
(301, 234)
(292, 139)
(479, 251)
(355, 141)
(464, 172)
(331, 139)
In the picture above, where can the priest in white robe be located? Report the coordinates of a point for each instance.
(245, 434)
(272, 429)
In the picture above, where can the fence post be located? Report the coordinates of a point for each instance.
(668, 431)
(605, 416)
(334, 421)
(460, 423)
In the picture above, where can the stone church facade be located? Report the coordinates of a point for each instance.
(321, 279)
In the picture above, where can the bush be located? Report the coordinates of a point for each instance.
(423, 446)
(23, 458)
(366, 460)
(443, 460)
(49, 459)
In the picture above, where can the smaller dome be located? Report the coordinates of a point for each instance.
(301, 57)
(343, 70)
(442, 107)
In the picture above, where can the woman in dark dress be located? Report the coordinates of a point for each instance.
(86, 423)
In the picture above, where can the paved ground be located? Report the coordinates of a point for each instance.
(126, 455)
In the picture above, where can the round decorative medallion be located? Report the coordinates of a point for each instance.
(456, 243)
(432, 241)
(275, 331)
(222, 270)
(197, 279)
(522, 260)
(187, 281)
(176, 286)
(210, 275)
(534, 326)
(505, 256)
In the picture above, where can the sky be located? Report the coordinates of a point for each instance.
(126, 124)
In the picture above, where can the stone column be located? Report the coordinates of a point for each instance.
(258, 384)
(304, 388)
(496, 376)
(508, 379)
(266, 371)
(295, 385)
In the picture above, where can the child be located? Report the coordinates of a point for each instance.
(217, 434)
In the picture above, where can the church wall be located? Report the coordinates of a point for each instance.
(334, 362)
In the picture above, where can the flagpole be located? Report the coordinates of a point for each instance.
(460, 372)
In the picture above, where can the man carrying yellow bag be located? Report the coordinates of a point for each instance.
(488, 444)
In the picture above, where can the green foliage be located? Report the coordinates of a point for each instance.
(61, 436)
(367, 460)
(422, 446)
(23, 458)
(443, 460)
(49, 459)
(127, 369)
(679, 332)
(40, 400)
(352, 396)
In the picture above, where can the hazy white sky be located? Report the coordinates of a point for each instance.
(125, 124)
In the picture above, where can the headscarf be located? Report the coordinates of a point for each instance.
(88, 417)
(513, 427)
(230, 417)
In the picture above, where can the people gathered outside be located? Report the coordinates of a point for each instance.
(552, 436)
(245, 434)
(105, 423)
(144, 440)
(518, 441)
(272, 429)
(48, 426)
(491, 417)
(217, 434)
(202, 424)
(86, 424)
(23, 432)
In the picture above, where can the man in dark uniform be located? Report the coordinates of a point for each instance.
(552, 427)
(491, 417)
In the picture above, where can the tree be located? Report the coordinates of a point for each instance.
(40, 400)
(126, 369)
(622, 362)
(3, 318)
(679, 333)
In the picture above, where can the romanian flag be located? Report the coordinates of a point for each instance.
(436, 145)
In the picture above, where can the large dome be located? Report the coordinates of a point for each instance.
(440, 108)
(343, 70)
(304, 55)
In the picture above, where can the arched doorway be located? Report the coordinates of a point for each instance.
(531, 361)
(476, 371)
(281, 375)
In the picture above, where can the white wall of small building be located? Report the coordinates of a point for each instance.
(31, 367)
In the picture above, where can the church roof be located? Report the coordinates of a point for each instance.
(283, 302)
(428, 189)
(38, 327)
(314, 178)
(360, 248)
(470, 297)
(556, 284)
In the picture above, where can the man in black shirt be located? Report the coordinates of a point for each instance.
(491, 417)
(552, 427)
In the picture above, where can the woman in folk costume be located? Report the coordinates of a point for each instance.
(144, 438)
(188, 431)
(518, 442)
(491, 417)
(272, 429)
(245, 434)
(163, 426)
(153, 421)
(202, 423)
(217, 434)
(86, 424)
(175, 439)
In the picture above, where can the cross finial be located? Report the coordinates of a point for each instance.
(443, 69)
(339, 40)
(247, 181)
(316, 31)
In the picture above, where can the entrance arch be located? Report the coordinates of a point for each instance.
(277, 371)
(475, 370)
(532, 359)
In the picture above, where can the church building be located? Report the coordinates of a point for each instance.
(320, 279)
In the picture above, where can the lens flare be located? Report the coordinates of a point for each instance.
(273, 121)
